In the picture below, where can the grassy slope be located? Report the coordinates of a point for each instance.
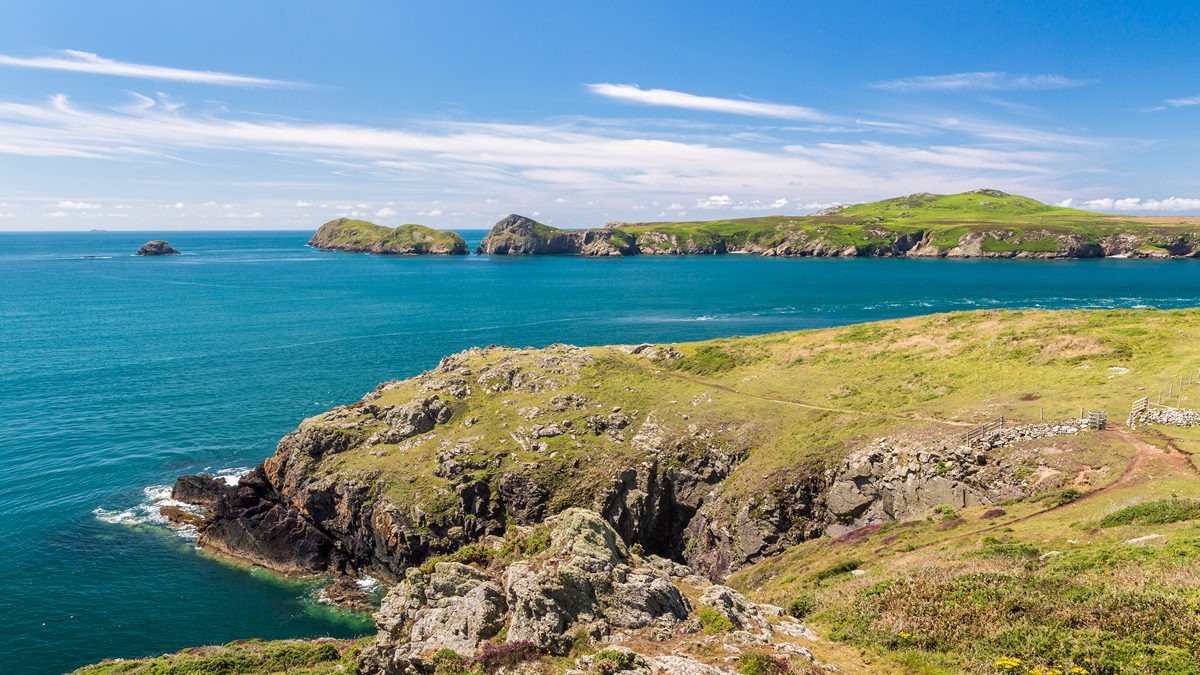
(1041, 584)
(797, 401)
(364, 234)
(1033, 225)
(298, 657)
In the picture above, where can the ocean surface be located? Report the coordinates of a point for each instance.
(118, 374)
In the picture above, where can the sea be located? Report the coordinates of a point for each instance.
(119, 373)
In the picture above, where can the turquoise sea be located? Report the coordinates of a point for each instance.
(118, 374)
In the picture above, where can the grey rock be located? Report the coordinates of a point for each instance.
(586, 583)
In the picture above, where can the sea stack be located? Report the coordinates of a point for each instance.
(157, 247)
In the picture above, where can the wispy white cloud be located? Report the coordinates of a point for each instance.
(67, 204)
(540, 162)
(979, 81)
(385, 212)
(72, 60)
(632, 93)
(1181, 102)
(1175, 204)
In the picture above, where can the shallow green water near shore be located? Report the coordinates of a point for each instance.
(118, 373)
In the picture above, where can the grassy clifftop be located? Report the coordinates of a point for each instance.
(979, 223)
(344, 234)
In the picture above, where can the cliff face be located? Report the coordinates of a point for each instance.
(360, 236)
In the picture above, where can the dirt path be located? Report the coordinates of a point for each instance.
(798, 404)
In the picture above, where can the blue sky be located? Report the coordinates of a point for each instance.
(257, 115)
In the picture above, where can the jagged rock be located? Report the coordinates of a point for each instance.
(742, 613)
(156, 247)
(202, 490)
(585, 583)
(524, 499)
(347, 592)
(410, 419)
(455, 607)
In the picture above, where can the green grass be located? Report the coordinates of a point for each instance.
(1156, 512)
(243, 657)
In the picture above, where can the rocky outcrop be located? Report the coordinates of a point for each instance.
(890, 481)
(586, 582)
(156, 247)
(518, 235)
(360, 236)
(454, 607)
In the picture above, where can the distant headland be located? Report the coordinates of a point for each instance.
(981, 223)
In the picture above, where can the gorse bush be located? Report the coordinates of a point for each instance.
(994, 548)
(802, 605)
(758, 663)
(837, 570)
(609, 661)
(712, 621)
(1157, 512)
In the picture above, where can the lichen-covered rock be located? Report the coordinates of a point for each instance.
(585, 583)
(742, 613)
(455, 607)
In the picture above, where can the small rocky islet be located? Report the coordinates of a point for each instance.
(156, 247)
(981, 223)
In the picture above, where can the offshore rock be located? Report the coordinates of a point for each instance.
(156, 247)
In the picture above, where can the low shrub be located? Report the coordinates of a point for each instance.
(838, 569)
(993, 513)
(994, 548)
(759, 663)
(1156, 512)
(506, 655)
(448, 662)
(471, 554)
(609, 661)
(713, 622)
(802, 605)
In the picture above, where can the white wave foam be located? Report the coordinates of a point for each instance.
(149, 511)
(368, 584)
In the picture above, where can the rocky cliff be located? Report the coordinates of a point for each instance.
(360, 236)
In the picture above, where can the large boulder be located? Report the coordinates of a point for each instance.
(585, 584)
(455, 607)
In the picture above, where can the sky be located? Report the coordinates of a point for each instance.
(148, 115)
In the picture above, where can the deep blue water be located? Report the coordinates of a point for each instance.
(120, 373)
